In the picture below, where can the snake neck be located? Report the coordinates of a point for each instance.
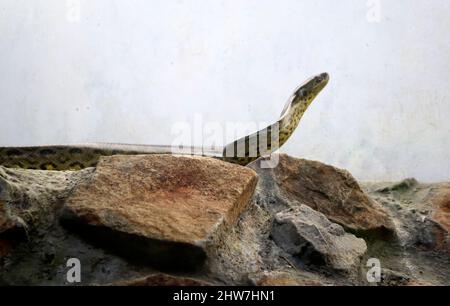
(276, 134)
(289, 122)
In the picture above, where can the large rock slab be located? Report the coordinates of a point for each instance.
(310, 236)
(329, 190)
(163, 210)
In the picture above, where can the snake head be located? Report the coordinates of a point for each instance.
(305, 94)
(310, 89)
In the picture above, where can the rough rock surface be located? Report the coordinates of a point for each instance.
(439, 202)
(162, 279)
(161, 209)
(29, 198)
(310, 236)
(329, 190)
(34, 247)
(420, 213)
(279, 278)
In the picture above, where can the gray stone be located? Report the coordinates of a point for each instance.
(310, 236)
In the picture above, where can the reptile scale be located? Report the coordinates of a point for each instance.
(241, 151)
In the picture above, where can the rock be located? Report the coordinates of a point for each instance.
(29, 198)
(418, 283)
(329, 190)
(161, 279)
(310, 236)
(421, 252)
(242, 251)
(5, 247)
(286, 279)
(162, 210)
(439, 201)
(35, 247)
(393, 278)
(7, 222)
(421, 211)
(404, 185)
(428, 234)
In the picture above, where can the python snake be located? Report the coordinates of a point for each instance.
(75, 157)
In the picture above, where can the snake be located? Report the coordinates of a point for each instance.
(241, 151)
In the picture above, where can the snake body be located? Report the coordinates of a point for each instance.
(75, 157)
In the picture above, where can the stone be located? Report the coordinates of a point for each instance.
(29, 198)
(421, 211)
(329, 190)
(5, 247)
(404, 185)
(311, 237)
(393, 278)
(6, 221)
(162, 210)
(439, 200)
(418, 283)
(276, 278)
(34, 247)
(162, 279)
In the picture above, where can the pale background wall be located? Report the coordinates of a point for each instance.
(127, 71)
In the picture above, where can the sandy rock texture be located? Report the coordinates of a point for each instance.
(162, 209)
(170, 220)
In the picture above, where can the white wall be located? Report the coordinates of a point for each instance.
(127, 71)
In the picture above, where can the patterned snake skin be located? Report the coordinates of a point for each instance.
(241, 151)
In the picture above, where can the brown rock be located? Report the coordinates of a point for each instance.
(286, 279)
(160, 209)
(162, 279)
(418, 283)
(439, 200)
(6, 223)
(329, 190)
(5, 247)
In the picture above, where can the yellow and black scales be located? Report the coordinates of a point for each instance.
(75, 157)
